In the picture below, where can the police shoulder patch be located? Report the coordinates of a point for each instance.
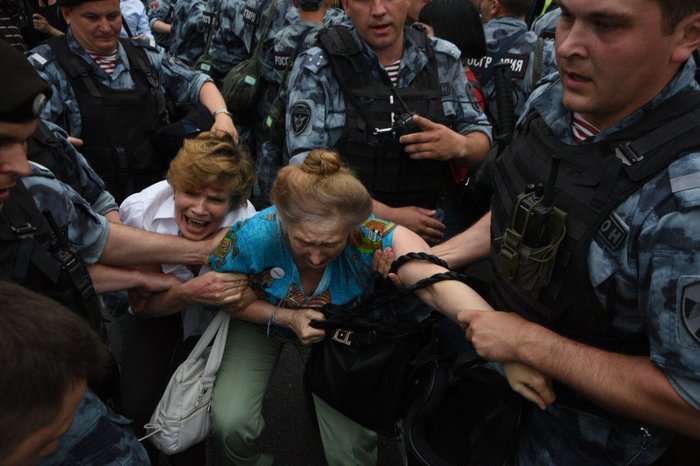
(690, 309)
(300, 117)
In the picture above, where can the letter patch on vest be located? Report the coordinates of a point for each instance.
(250, 16)
(444, 89)
(691, 309)
(301, 115)
(612, 231)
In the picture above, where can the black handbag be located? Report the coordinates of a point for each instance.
(459, 413)
(363, 365)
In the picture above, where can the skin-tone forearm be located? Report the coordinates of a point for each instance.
(632, 386)
(470, 246)
(106, 279)
(113, 216)
(127, 246)
(448, 296)
(297, 320)
(161, 27)
(212, 288)
(211, 98)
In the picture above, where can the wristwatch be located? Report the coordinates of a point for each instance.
(221, 110)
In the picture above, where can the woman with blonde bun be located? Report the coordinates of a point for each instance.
(312, 247)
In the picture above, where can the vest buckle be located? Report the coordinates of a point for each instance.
(24, 231)
(627, 155)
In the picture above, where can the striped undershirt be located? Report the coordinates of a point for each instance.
(106, 62)
(393, 71)
(582, 129)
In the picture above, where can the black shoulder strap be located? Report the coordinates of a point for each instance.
(74, 66)
(126, 27)
(142, 65)
(505, 46)
(349, 66)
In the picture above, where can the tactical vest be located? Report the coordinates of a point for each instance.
(116, 123)
(379, 160)
(592, 180)
(44, 148)
(36, 255)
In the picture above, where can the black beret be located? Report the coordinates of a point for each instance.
(72, 2)
(310, 5)
(24, 92)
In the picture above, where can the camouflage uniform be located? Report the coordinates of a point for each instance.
(274, 67)
(190, 27)
(161, 10)
(656, 272)
(530, 59)
(178, 82)
(97, 435)
(546, 25)
(312, 84)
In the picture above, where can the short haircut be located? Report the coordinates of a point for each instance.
(45, 349)
(516, 8)
(213, 158)
(321, 187)
(459, 22)
(674, 11)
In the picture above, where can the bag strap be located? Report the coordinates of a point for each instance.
(266, 27)
(217, 349)
(216, 331)
(210, 34)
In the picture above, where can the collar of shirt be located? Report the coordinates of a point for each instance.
(546, 100)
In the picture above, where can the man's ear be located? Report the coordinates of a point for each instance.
(65, 11)
(688, 38)
(496, 9)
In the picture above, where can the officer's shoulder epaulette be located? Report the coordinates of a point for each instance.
(445, 47)
(40, 170)
(40, 56)
(313, 59)
(145, 42)
(684, 176)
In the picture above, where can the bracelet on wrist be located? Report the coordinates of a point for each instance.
(221, 110)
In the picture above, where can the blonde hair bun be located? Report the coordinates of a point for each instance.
(322, 162)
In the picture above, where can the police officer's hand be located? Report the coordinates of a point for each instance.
(151, 282)
(530, 383)
(420, 221)
(77, 142)
(41, 24)
(495, 335)
(224, 122)
(214, 288)
(436, 141)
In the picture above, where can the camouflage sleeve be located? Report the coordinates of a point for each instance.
(62, 104)
(180, 82)
(667, 251)
(160, 10)
(673, 312)
(315, 105)
(463, 108)
(87, 231)
(188, 32)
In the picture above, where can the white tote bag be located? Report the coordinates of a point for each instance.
(181, 418)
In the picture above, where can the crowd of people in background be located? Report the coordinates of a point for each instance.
(133, 191)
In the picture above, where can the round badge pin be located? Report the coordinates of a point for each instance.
(276, 273)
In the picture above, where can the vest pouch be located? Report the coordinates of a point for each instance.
(530, 267)
(274, 123)
(241, 86)
(203, 64)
